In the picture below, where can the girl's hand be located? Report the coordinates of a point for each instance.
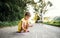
(27, 30)
(30, 26)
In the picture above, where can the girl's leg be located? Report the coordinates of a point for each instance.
(27, 29)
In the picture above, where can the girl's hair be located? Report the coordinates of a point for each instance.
(27, 14)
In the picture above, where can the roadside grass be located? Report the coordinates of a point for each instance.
(53, 24)
(7, 23)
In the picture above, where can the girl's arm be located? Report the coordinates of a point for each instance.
(29, 24)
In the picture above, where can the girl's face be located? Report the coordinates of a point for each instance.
(27, 17)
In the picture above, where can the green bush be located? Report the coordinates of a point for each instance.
(6, 23)
(54, 22)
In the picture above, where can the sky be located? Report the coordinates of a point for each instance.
(55, 9)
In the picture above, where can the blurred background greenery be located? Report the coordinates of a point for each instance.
(11, 11)
(54, 21)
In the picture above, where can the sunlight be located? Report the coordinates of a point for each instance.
(31, 10)
(54, 10)
(36, 1)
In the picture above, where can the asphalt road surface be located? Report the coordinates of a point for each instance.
(37, 31)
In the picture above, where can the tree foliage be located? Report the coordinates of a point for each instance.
(40, 7)
(11, 10)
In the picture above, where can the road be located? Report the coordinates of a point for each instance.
(37, 31)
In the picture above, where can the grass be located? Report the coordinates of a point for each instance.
(53, 24)
(7, 23)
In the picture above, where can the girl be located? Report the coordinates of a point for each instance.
(23, 24)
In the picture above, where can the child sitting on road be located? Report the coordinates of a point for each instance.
(23, 24)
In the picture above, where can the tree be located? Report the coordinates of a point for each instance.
(11, 10)
(40, 7)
